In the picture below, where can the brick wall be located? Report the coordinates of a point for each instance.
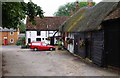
(9, 36)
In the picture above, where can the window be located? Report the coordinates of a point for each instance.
(30, 34)
(29, 40)
(11, 40)
(38, 33)
(42, 38)
(51, 32)
(11, 33)
(38, 39)
(44, 44)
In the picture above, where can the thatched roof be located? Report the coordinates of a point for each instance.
(90, 18)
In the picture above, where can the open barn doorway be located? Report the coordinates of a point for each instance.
(112, 42)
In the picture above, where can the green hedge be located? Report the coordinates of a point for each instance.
(21, 41)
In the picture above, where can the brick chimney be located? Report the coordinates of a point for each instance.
(77, 6)
(90, 3)
(71, 12)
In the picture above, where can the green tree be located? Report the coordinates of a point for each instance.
(14, 12)
(22, 27)
(66, 9)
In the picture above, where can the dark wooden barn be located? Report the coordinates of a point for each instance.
(96, 33)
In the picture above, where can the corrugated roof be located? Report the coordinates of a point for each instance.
(87, 19)
(47, 23)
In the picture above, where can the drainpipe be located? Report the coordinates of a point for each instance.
(90, 3)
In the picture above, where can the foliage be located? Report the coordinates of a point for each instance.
(21, 41)
(82, 43)
(14, 12)
(18, 43)
(22, 27)
(66, 9)
(23, 38)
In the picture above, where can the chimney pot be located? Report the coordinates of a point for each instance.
(77, 6)
(90, 3)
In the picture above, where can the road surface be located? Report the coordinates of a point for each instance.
(25, 62)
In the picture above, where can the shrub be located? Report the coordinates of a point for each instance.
(18, 43)
(21, 41)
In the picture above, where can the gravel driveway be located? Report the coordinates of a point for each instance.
(25, 62)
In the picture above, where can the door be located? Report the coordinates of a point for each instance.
(88, 48)
(5, 41)
(75, 44)
(88, 44)
(65, 43)
(113, 45)
(79, 45)
(44, 46)
(29, 40)
(52, 41)
(112, 42)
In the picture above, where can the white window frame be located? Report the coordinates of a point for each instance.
(12, 41)
(11, 32)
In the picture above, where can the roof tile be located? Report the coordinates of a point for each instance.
(47, 23)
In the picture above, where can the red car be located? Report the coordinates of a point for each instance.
(41, 46)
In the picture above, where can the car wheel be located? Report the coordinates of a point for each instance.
(51, 49)
(35, 49)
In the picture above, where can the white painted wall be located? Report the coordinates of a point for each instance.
(44, 35)
(71, 46)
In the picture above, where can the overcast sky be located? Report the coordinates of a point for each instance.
(51, 6)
